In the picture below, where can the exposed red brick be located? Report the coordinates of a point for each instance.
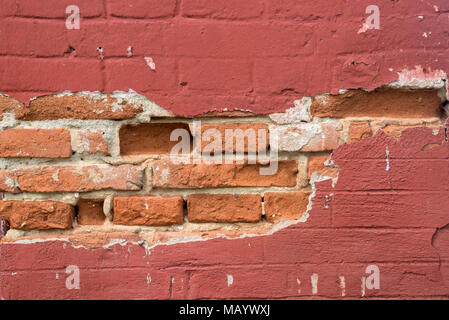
(35, 143)
(359, 130)
(37, 215)
(71, 178)
(285, 205)
(307, 137)
(11, 105)
(90, 212)
(89, 141)
(224, 207)
(79, 107)
(148, 211)
(316, 164)
(169, 175)
(251, 129)
(383, 102)
(148, 138)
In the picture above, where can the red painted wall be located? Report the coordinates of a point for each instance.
(387, 209)
(256, 55)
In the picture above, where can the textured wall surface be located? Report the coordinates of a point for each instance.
(95, 205)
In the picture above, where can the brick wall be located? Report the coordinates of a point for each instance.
(98, 179)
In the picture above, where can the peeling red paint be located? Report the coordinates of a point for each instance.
(262, 65)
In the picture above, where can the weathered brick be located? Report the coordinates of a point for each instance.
(385, 102)
(222, 9)
(148, 138)
(224, 208)
(90, 212)
(233, 129)
(35, 143)
(89, 142)
(12, 106)
(316, 164)
(359, 130)
(184, 176)
(307, 137)
(148, 211)
(285, 205)
(37, 215)
(82, 107)
(71, 178)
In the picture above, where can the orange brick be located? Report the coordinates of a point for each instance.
(35, 143)
(79, 107)
(359, 130)
(10, 105)
(235, 129)
(316, 164)
(89, 142)
(384, 102)
(90, 212)
(285, 205)
(224, 208)
(182, 176)
(148, 211)
(148, 138)
(37, 215)
(71, 178)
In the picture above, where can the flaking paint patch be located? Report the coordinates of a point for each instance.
(314, 281)
(342, 285)
(230, 279)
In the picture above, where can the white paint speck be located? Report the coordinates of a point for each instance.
(314, 281)
(129, 52)
(150, 63)
(342, 286)
(148, 279)
(230, 279)
(100, 50)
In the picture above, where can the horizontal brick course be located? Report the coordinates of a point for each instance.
(35, 143)
(148, 211)
(149, 138)
(224, 207)
(169, 175)
(285, 205)
(71, 178)
(37, 215)
(230, 130)
(379, 103)
(82, 107)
